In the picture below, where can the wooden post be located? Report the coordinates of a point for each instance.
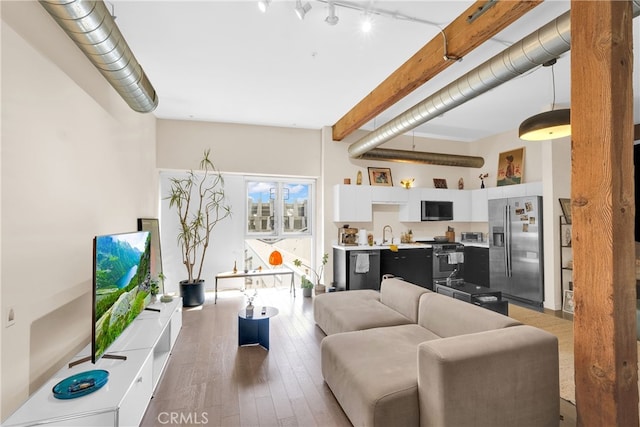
(603, 211)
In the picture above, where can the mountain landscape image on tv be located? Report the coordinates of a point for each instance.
(122, 279)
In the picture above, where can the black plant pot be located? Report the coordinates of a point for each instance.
(192, 293)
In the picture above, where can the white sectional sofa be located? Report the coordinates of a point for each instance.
(410, 357)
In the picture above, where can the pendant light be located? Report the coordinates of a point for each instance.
(550, 124)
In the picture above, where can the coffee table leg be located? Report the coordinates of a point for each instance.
(253, 332)
(263, 333)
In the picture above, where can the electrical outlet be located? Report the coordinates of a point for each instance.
(11, 317)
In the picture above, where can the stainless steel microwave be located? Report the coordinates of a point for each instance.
(436, 211)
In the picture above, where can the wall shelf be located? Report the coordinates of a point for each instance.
(566, 260)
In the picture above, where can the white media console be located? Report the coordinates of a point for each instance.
(146, 343)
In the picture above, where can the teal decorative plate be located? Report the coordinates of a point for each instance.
(80, 384)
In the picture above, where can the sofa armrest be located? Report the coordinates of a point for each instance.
(506, 376)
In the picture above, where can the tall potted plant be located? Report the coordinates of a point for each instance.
(200, 203)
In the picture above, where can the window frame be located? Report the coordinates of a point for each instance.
(279, 205)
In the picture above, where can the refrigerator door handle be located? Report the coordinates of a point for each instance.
(507, 239)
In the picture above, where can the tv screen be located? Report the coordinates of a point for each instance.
(121, 281)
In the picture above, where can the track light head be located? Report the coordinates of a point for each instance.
(332, 18)
(263, 5)
(301, 10)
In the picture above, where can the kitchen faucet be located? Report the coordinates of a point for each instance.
(384, 236)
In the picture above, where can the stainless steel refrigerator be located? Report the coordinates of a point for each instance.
(516, 250)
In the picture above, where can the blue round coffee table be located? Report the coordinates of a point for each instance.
(255, 329)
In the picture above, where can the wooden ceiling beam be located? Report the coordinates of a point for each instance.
(462, 37)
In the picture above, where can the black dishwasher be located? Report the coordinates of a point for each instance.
(364, 270)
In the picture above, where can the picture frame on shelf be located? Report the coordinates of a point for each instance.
(567, 302)
(439, 183)
(565, 205)
(511, 167)
(380, 176)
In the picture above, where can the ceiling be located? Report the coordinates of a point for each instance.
(225, 61)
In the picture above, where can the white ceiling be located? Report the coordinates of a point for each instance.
(225, 61)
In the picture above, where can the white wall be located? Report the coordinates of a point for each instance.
(76, 162)
(235, 149)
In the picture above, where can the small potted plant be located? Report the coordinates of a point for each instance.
(200, 203)
(306, 284)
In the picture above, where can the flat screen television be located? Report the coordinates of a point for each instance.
(121, 285)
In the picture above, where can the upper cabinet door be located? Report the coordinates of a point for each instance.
(479, 205)
(389, 195)
(352, 203)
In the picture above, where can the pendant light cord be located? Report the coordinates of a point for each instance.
(553, 83)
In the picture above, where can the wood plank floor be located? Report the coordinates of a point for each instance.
(211, 381)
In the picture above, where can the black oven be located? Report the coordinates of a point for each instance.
(447, 258)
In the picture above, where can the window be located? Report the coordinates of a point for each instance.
(278, 217)
(278, 209)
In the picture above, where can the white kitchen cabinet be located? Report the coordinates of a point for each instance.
(352, 203)
(411, 211)
(389, 195)
(479, 205)
(461, 205)
(123, 400)
(518, 190)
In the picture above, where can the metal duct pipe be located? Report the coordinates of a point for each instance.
(424, 158)
(545, 44)
(92, 28)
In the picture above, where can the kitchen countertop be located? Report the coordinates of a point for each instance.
(381, 247)
(402, 246)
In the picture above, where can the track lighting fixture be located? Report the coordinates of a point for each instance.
(263, 5)
(550, 124)
(301, 9)
(332, 19)
(369, 12)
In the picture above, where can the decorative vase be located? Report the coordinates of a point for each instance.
(192, 293)
(249, 310)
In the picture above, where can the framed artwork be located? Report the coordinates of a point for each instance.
(380, 176)
(567, 303)
(565, 204)
(151, 225)
(439, 183)
(511, 167)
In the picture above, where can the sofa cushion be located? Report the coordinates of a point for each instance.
(447, 317)
(504, 377)
(374, 374)
(403, 297)
(346, 311)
